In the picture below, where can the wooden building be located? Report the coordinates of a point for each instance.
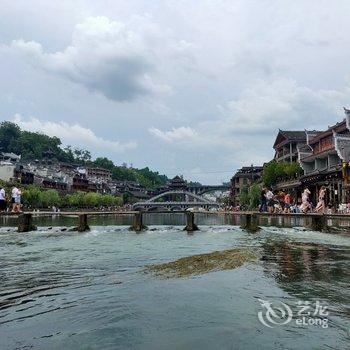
(243, 178)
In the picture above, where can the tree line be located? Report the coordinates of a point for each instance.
(34, 197)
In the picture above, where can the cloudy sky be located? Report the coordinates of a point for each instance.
(192, 87)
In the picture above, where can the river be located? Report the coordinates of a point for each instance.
(65, 290)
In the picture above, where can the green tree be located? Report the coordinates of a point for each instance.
(92, 199)
(254, 195)
(123, 174)
(50, 197)
(82, 156)
(32, 145)
(104, 162)
(76, 199)
(244, 196)
(9, 134)
(107, 200)
(32, 196)
(274, 171)
(118, 201)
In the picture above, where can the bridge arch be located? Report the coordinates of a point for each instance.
(188, 200)
(173, 192)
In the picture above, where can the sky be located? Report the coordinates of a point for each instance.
(198, 88)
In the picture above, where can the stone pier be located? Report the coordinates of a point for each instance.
(318, 223)
(25, 223)
(137, 224)
(250, 222)
(83, 223)
(190, 225)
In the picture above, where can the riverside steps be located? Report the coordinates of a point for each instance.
(249, 221)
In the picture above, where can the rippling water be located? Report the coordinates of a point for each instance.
(65, 290)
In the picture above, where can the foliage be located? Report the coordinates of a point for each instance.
(92, 200)
(103, 162)
(244, 196)
(273, 171)
(32, 196)
(76, 199)
(254, 195)
(250, 196)
(35, 197)
(145, 177)
(9, 134)
(50, 198)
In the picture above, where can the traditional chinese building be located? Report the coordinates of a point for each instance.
(243, 178)
(287, 143)
(177, 183)
(99, 173)
(322, 160)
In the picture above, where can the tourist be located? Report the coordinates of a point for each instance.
(3, 204)
(14, 195)
(321, 205)
(18, 201)
(263, 202)
(305, 203)
(277, 207)
(287, 201)
(280, 198)
(270, 201)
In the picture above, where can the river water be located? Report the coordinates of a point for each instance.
(68, 290)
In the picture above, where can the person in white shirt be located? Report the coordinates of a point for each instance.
(270, 202)
(2, 199)
(14, 199)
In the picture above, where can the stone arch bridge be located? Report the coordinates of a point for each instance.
(175, 200)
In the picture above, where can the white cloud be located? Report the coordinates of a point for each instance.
(180, 134)
(186, 136)
(281, 103)
(73, 134)
(104, 56)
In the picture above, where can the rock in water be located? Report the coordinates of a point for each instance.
(203, 263)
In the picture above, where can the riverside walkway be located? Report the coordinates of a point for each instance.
(249, 220)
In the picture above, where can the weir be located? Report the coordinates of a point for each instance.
(249, 221)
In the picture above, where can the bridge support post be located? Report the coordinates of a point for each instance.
(83, 223)
(137, 224)
(250, 222)
(190, 225)
(318, 223)
(25, 223)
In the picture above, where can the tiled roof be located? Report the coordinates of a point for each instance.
(294, 135)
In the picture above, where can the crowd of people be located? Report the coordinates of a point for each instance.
(280, 202)
(14, 203)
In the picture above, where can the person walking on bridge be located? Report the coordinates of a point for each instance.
(270, 201)
(3, 203)
(305, 203)
(263, 201)
(321, 205)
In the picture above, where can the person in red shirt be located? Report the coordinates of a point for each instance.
(287, 201)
